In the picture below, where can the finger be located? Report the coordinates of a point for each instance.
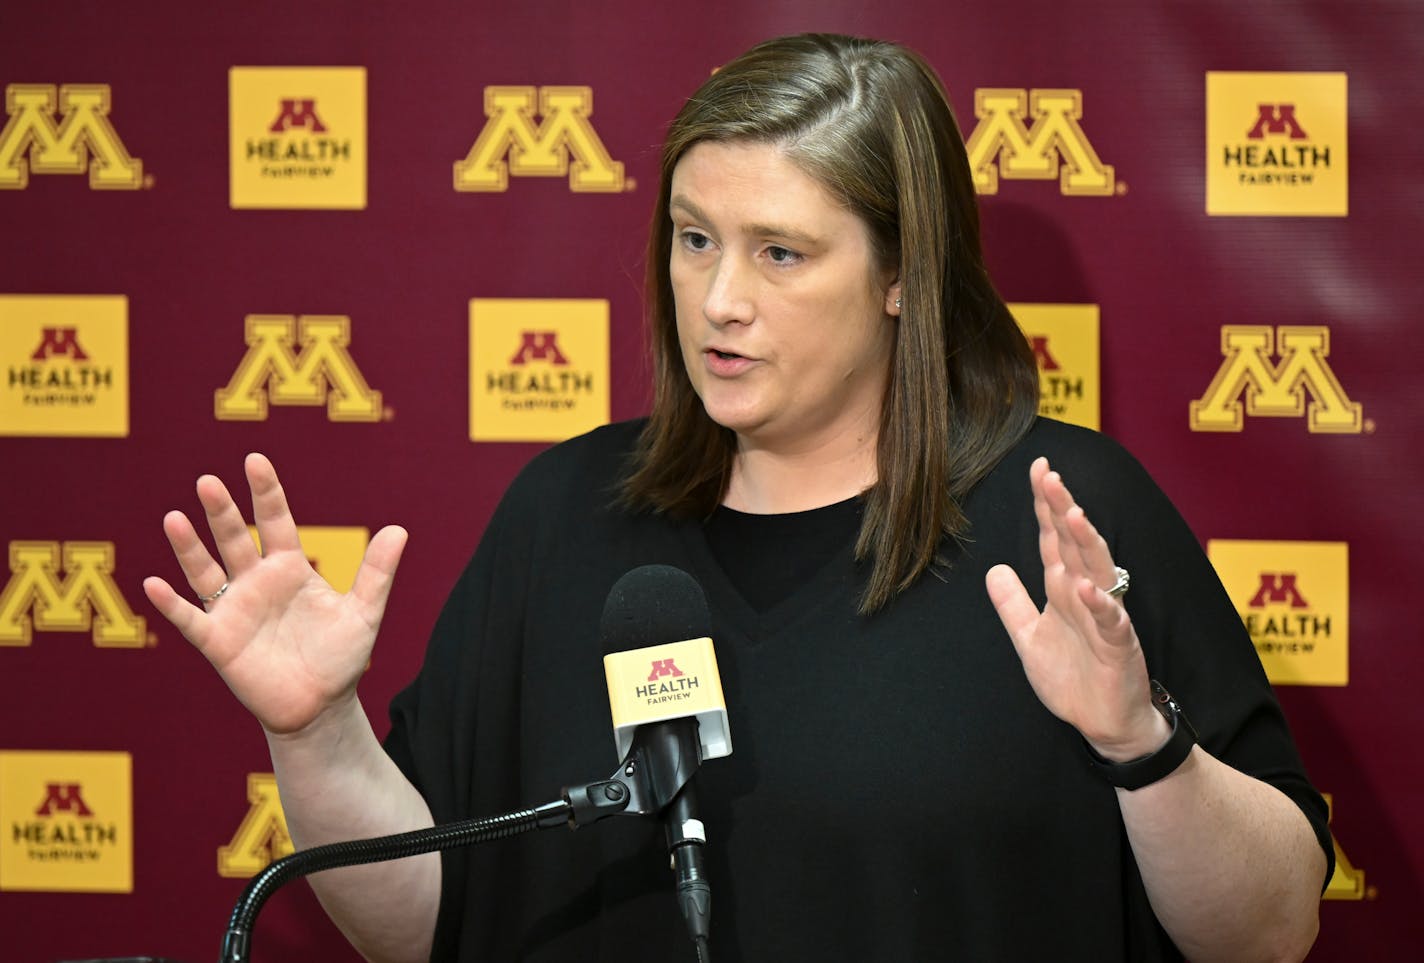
(1047, 533)
(1084, 550)
(372, 586)
(229, 529)
(204, 575)
(186, 617)
(1011, 600)
(1060, 508)
(1111, 619)
(1094, 550)
(275, 525)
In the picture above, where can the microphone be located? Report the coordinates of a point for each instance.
(659, 660)
(669, 714)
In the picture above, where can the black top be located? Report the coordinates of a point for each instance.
(766, 557)
(896, 791)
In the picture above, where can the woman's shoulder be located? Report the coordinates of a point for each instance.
(616, 440)
(595, 460)
(1093, 464)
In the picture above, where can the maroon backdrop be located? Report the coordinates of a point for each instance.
(1165, 275)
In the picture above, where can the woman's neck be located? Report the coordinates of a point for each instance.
(773, 481)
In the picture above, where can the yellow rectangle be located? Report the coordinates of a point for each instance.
(66, 365)
(662, 682)
(297, 137)
(1066, 348)
(1294, 599)
(66, 822)
(539, 368)
(1277, 144)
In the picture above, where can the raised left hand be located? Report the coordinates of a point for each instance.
(1081, 653)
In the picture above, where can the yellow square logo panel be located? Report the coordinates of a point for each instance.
(66, 363)
(1294, 598)
(67, 821)
(1277, 144)
(1065, 345)
(297, 137)
(539, 368)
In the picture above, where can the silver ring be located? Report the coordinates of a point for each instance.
(211, 598)
(1118, 590)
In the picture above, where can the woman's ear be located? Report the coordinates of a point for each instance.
(893, 298)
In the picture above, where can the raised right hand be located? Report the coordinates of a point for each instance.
(288, 645)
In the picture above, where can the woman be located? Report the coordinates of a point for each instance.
(843, 451)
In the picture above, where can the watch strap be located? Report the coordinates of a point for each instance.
(1143, 771)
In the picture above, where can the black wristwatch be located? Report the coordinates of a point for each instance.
(1137, 773)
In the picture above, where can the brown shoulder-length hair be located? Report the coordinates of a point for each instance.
(870, 122)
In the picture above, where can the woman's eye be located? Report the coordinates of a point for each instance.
(696, 240)
(781, 255)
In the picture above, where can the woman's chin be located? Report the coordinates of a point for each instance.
(741, 420)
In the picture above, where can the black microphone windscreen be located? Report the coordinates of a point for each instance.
(653, 605)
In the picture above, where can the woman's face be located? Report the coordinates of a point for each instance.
(786, 321)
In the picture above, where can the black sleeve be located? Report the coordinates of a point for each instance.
(465, 687)
(456, 729)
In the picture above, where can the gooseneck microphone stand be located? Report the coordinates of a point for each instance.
(237, 942)
(658, 768)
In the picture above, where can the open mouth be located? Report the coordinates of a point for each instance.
(725, 355)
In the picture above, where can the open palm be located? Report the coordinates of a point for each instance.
(286, 643)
